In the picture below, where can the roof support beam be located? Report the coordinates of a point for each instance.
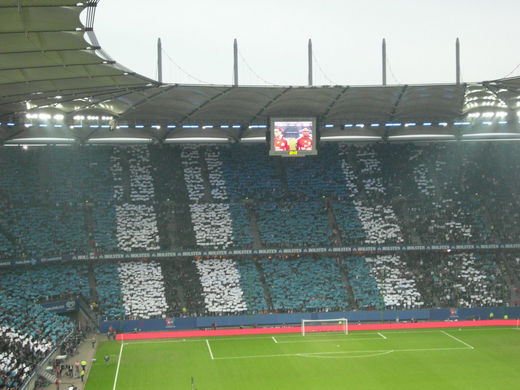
(24, 75)
(113, 95)
(43, 51)
(45, 31)
(188, 116)
(37, 5)
(262, 110)
(397, 101)
(64, 79)
(58, 66)
(22, 16)
(335, 101)
(147, 98)
(74, 93)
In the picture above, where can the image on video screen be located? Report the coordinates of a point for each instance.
(293, 137)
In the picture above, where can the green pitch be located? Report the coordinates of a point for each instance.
(467, 358)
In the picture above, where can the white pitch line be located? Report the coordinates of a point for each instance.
(276, 342)
(431, 349)
(196, 340)
(118, 364)
(382, 335)
(319, 335)
(209, 349)
(346, 357)
(304, 354)
(388, 331)
(457, 339)
(322, 340)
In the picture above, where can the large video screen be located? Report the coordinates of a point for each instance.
(293, 137)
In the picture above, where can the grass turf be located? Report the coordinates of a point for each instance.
(469, 358)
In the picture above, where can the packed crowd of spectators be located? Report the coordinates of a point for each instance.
(183, 290)
(305, 284)
(142, 289)
(27, 333)
(252, 284)
(108, 287)
(91, 199)
(363, 283)
(136, 219)
(19, 355)
(136, 227)
(150, 289)
(192, 173)
(312, 178)
(250, 174)
(171, 196)
(349, 225)
(220, 280)
(461, 280)
(130, 199)
(46, 282)
(293, 224)
(395, 282)
(212, 224)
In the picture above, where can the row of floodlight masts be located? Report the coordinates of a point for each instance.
(309, 50)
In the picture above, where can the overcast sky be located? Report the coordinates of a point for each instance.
(197, 38)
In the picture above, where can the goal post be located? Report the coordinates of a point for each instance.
(329, 325)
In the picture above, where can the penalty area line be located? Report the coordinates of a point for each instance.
(377, 352)
(274, 339)
(320, 340)
(457, 339)
(209, 349)
(382, 335)
(118, 364)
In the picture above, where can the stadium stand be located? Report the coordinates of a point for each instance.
(293, 224)
(349, 225)
(27, 333)
(363, 283)
(142, 288)
(192, 173)
(370, 194)
(250, 174)
(315, 177)
(173, 217)
(252, 284)
(44, 283)
(220, 280)
(460, 280)
(136, 227)
(108, 287)
(202, 197)
(212, 224)
(395, 282)
(183, 290)
(305, 284)
(46, 231)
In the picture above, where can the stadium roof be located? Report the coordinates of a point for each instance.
(57, 85)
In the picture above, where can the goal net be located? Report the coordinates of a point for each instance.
(330, 325)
